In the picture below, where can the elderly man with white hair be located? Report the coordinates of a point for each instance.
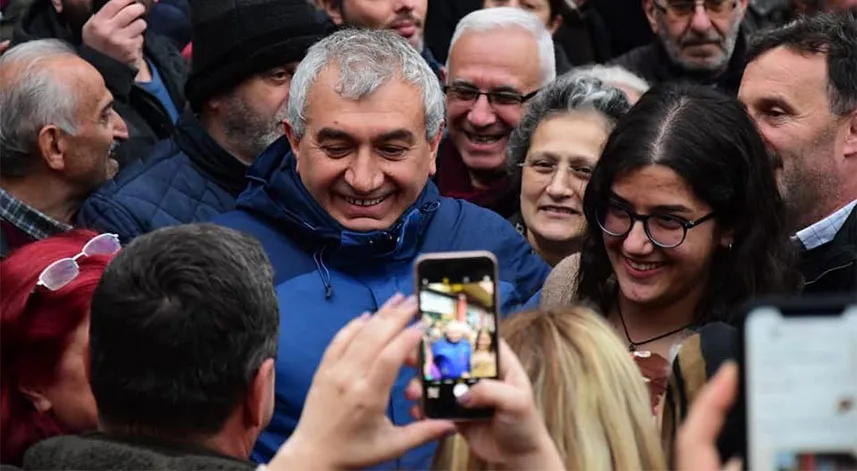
(499, 58)
(344, 217)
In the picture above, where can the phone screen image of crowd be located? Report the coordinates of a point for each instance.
(460, 341)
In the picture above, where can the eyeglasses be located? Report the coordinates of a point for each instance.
(547, 169)
(59, 274)
(663, 230)
(685, 8)
(468, 94)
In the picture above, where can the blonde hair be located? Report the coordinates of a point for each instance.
(587, 388)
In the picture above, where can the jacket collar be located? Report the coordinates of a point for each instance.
(277, 194)
(215, 161)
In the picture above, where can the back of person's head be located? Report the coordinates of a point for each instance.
(37, 326)
(710, 142)
(831, 34)
(33, 89)
(183, 336)
(501, 18)
(616, 76)
(588, 389)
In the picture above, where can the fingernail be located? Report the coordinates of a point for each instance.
(365, 316)
(420, 326)
(465, 398)
(411, 301)
(396, 299)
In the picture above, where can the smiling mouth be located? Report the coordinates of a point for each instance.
(364, 202)
(483, 139)
(558, 210)
(644, 266)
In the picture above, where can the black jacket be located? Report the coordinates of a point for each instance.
(652, 63)
(832, 268)
(98, 451)
(147, 120)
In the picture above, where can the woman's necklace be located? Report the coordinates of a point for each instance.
(632, 345)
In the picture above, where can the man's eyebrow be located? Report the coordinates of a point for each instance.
(396, 135)
(332, 134)
(108, 106)
(501, 88)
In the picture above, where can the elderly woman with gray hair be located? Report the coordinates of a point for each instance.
(552, 153)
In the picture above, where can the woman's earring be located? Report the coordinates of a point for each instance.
(729, 246)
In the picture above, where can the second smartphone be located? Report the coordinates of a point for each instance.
(458, 302)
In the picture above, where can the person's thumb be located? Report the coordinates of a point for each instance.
(414, 435)
(494, 394)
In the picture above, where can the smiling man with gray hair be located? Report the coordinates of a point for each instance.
(343, 217)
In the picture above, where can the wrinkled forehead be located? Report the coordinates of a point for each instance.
(474, 59)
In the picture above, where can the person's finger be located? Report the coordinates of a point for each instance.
(413, 359)
(384, 326)
(495, 394)
(392, 358)
(511, 370)
(342, 339)
(136, 28)
(417, 412)
(734, 464)
(113, 7)
(4, 46)
(416, 434)
(128, 15)
(697, 438)
(414, 391)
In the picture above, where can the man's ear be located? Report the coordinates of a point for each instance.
(434, 145)
(53, 146)
(650, 10)
(294, 143)
(334, 13)
(556, 22)
(39, 401)
(259, 403)
(850, 148)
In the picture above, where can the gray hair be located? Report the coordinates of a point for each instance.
(491, 19)
(32, 99)
(366, 59)
(613, 75)
(568, 93)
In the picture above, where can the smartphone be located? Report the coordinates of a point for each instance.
(799, 387)
(458, 302)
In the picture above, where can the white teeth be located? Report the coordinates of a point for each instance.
(357, 202)
(644, 266)
(483, 139)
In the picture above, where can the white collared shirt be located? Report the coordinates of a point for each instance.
(825, 230)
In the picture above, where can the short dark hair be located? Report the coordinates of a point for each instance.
(181, 321)
(708, 139)
(832, 34)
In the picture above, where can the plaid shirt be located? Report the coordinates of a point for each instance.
(825, 230)
(28, 219)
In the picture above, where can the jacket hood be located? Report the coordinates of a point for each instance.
(99, 452)
(277, 194)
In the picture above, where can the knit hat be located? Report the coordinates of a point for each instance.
(235, 39)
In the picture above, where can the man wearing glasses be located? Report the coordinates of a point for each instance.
(498, 60)
(696, 40)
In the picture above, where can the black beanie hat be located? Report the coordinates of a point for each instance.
(235, 39)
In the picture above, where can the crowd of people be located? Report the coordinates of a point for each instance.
(209, 214)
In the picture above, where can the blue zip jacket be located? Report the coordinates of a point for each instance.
(326, 275)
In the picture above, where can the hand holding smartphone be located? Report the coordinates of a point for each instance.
(457, 294)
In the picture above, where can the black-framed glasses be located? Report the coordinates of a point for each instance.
(685, 8)
(471, 94)
(663, 230)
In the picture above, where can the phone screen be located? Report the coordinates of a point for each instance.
(801, 390)
(457, 299)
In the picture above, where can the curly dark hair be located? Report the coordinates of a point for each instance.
(709, 140)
